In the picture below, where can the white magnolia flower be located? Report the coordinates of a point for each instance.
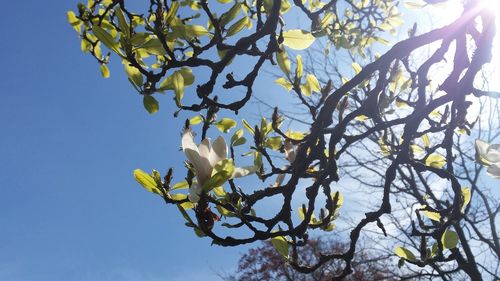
(489, 155)
(204, 157)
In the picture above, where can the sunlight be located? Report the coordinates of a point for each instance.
(453, 10)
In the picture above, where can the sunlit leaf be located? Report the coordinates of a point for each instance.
(435, 160)
(104, 71)
(298, 39)
(284, 83)
(281, 245)
(195, 120)
(404, 254)
(225, 124)
(146, 181)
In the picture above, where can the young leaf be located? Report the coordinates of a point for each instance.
(106, 39)
(230, 15)
(248, 126)
(133, 73)
(225, 124)
(281, 245)
(299, 70)
(180, 185)
(435, 160)
(297, 39)
(178, 86)
(466, 193)
(237, 26)
(150, 104)
(283, 62)
(195, 120)
(449, 239)
(404, 254)
(146, 181)
(284, 83)
(432, 215)
(74, 21)
(357, 68)
(104, 71)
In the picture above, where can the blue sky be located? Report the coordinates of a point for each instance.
(70, 208)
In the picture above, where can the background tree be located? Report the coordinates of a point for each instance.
(396, 105)
(264, 263)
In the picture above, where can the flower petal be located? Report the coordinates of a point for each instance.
(481, 151)
(201, 165)
(187, 141)
(494, 170)
(204, 148)
(218, 151)
(493, 155)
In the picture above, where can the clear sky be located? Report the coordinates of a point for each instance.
(70, 208)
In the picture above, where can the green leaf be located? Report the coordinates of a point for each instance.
(281, 245)
(404, 253)
(432, 215)
(122, 22)
(154, 46)
(466, 193)
(230, 15)
(239, 141)
(435, 160)
(449, 239)
(188, 32)
(178, 196)
(299, 70)
(146, 181)
(340, 198)
(298, 39)
(104, 71)
(312, 84)
(274, 143)
(225, 124)
(188, 76)
(284, 62)
(178, 85)
(180, 185)
(237, 135)
(106, 39)
(248, 126)
(426, 141)
(195, 120)
(150, 104)
(302, 213)
(133, 73)
(284, 83)
(361, 118)
(237, 26)
(217, 180)
(171, 12)
(357, 68)
(74, 21)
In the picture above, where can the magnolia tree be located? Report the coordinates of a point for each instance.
(413, 105)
